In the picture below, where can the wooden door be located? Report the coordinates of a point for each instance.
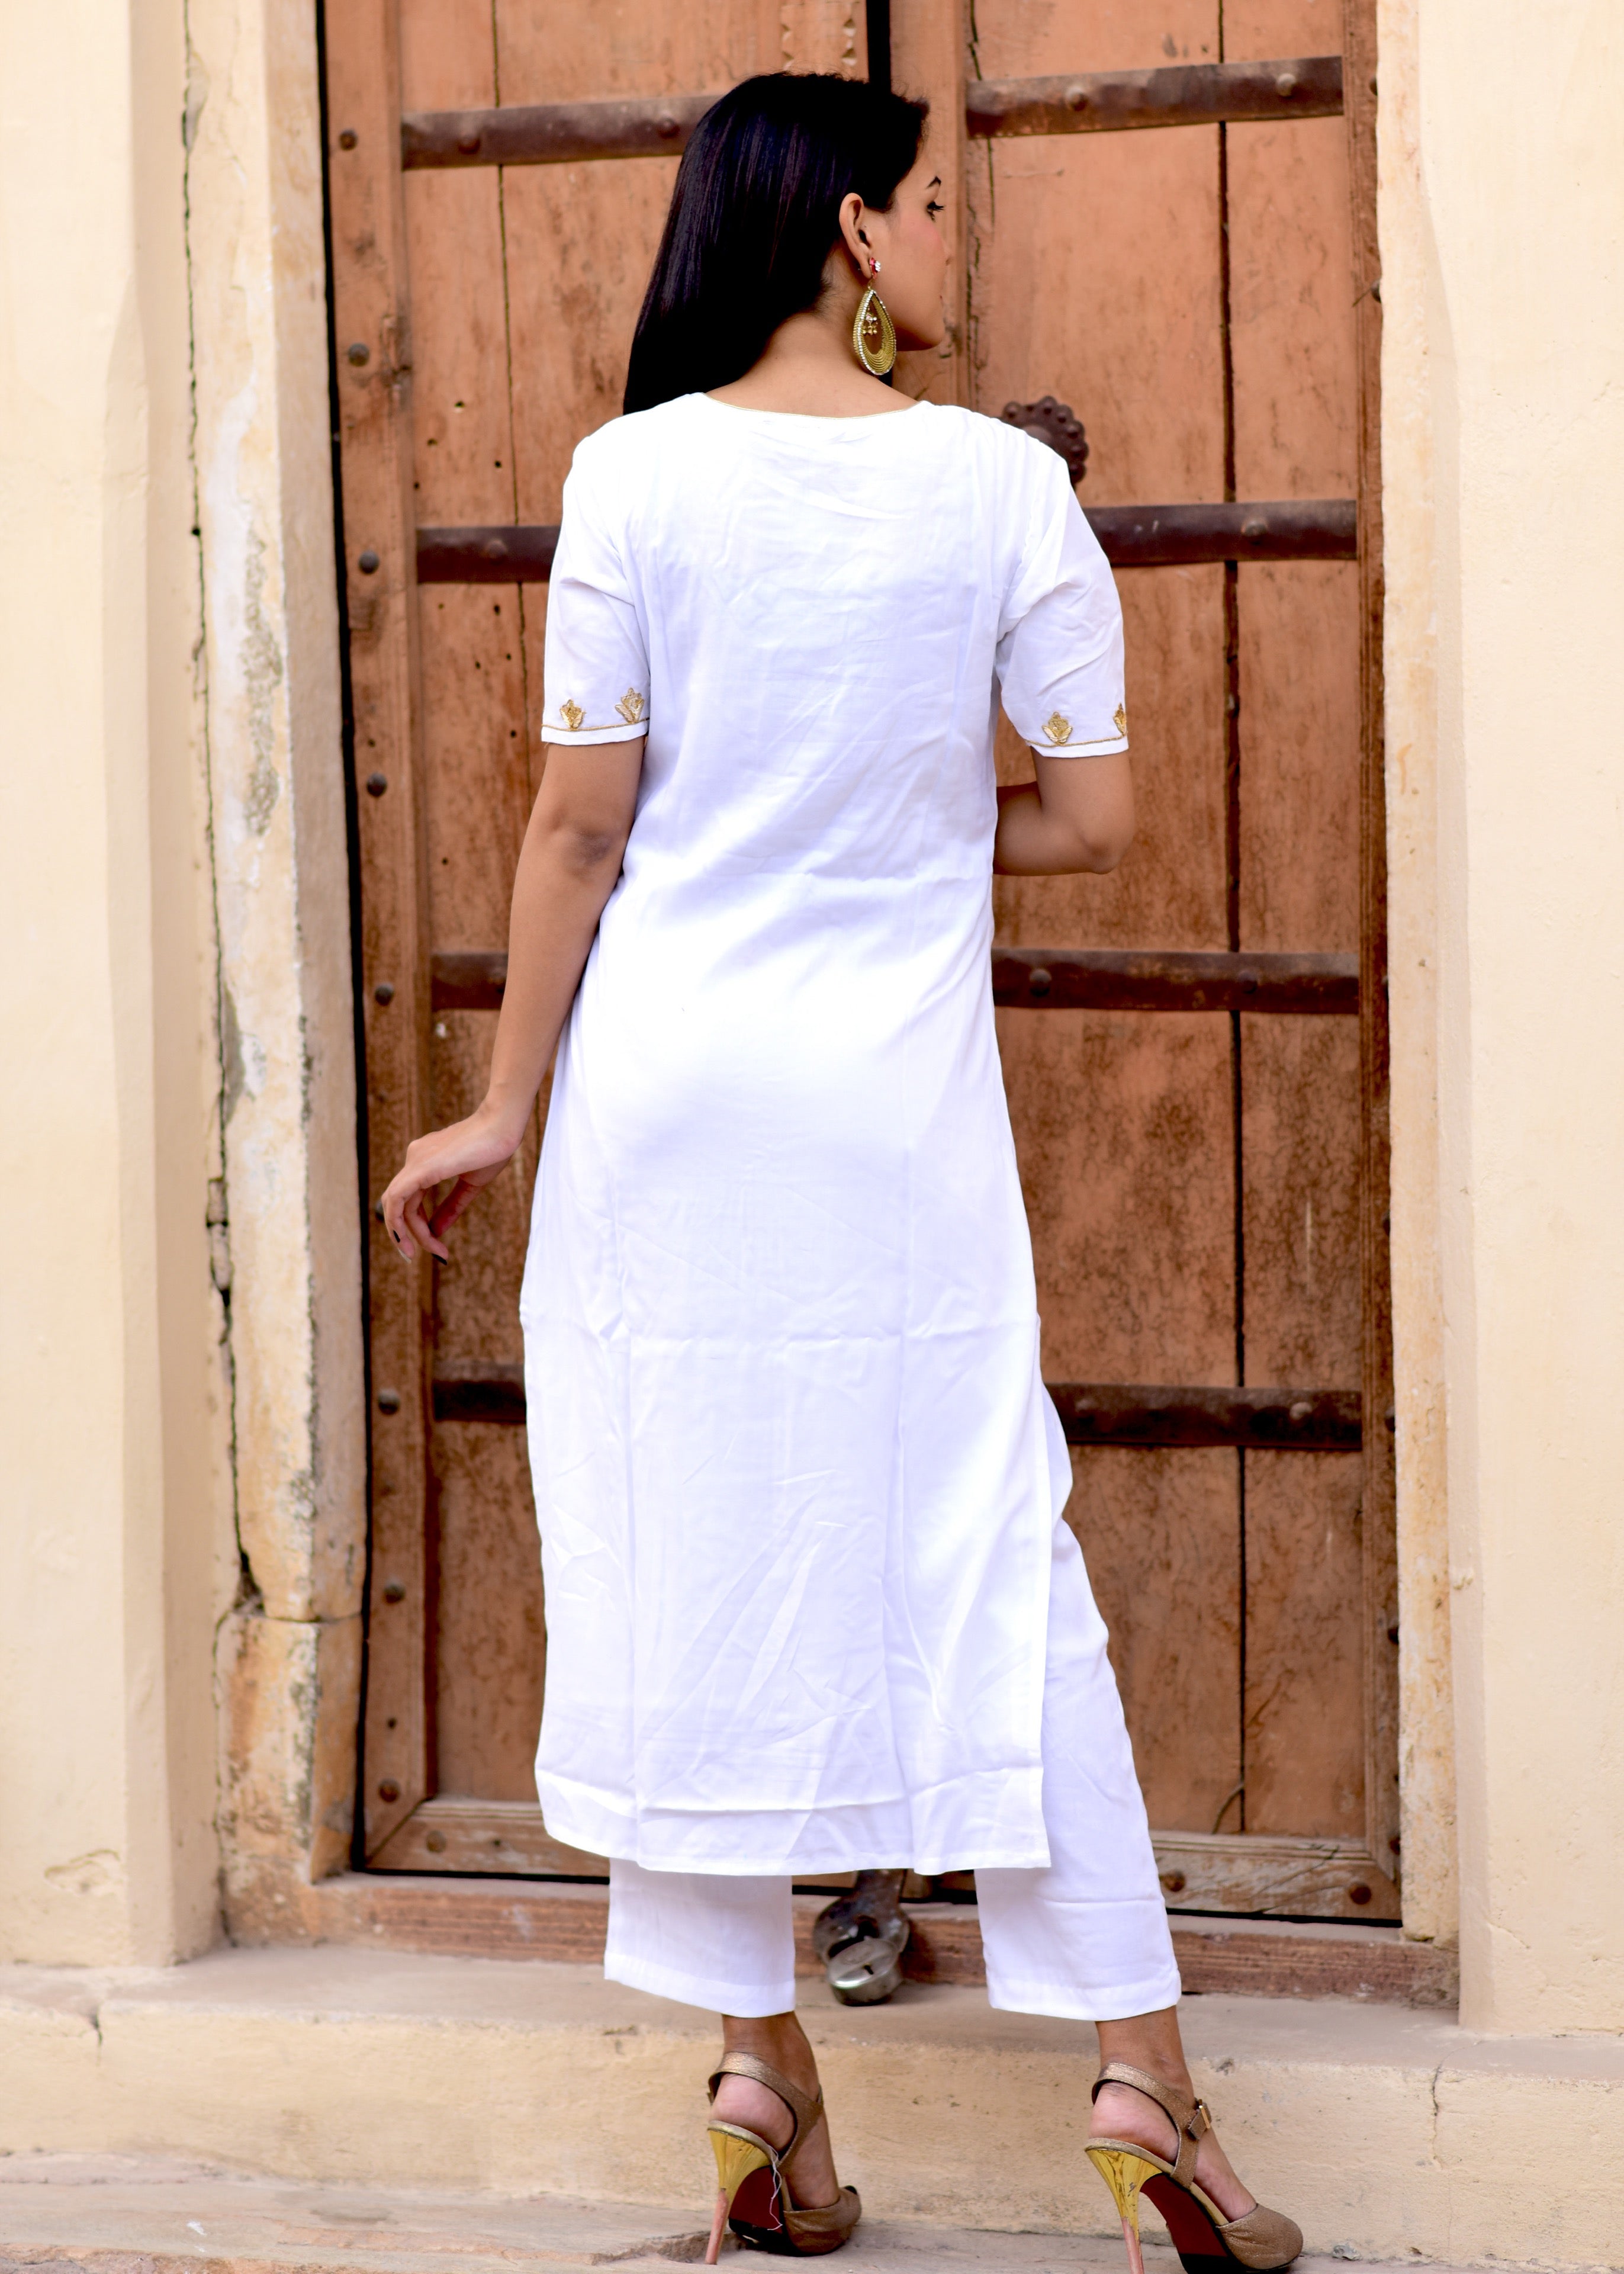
(1165, 224)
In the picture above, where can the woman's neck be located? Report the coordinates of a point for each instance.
(809, 367)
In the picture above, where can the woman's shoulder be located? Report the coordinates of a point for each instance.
(627, 440)
(993, 445)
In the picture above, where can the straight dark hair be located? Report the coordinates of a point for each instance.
(753, 218)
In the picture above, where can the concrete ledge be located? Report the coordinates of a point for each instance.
(1390, 2133)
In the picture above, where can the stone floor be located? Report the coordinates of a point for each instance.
(125, 2215)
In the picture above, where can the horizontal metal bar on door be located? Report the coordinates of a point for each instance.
(1150, 979)
(1057, 979)
(1174, 95)
(1069, 102)
(1272, 1419)
(1131, 537)
(1091, 1413)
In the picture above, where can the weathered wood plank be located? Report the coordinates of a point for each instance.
(558, 1919)
(1304, 1729)
(1159, 1531)
(372, 315)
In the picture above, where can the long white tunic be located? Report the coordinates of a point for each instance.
(795, 1470)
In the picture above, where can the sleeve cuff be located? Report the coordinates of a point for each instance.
(615, 734)
(1106, 748)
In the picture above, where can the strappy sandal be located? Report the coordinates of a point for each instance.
(753, 2195)
(1205, 2241)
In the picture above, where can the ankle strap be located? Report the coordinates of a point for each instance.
(805, 2110)
(1192, 2119)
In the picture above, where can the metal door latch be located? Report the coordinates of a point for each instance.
(860, 1938)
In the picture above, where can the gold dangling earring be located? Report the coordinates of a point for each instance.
(873, 335)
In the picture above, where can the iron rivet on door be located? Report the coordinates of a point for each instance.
(389, 1401)
(368, 564)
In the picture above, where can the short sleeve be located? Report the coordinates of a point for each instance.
(595, 672)
(1060, 659)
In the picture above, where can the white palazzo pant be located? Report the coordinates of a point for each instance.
(1086, 1937)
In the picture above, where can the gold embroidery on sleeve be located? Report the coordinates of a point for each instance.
(631, 707)
(572, 715)
(1057, 729)
(1119, 718)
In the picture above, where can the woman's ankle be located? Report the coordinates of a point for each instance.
(778, 2039)
(1150, 2042)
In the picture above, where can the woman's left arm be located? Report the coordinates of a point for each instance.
(1077, 816)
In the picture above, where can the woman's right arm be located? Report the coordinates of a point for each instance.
(571, 857)
(1076, 818)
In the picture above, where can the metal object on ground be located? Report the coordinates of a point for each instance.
(860, 1938)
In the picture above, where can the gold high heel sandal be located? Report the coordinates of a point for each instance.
(1205, 2241)
(752, 2192)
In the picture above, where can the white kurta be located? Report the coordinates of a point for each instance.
(795, 1470)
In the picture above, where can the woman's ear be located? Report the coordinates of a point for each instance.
(852, 216)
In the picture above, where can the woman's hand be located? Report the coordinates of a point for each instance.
(468, 1156)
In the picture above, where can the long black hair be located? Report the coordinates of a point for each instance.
(753, 216)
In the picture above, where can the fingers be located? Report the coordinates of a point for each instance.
(418, 1226)
(408, 1207)
(392, 1209)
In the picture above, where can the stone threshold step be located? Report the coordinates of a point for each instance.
(566, 1920)
(127, 2214)
(1389, 2134)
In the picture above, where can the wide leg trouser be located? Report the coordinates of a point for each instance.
(1086, 1937)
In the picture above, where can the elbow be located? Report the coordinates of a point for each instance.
(1100, 851)
(586, 854)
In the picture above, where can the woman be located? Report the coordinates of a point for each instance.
(811, 1606)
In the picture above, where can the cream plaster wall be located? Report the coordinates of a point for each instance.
(1502, 212)
(115, 1551)
(182, 1490)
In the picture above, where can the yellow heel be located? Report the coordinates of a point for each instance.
(737, 2155)
(736, 2158)
(1124, 2175)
